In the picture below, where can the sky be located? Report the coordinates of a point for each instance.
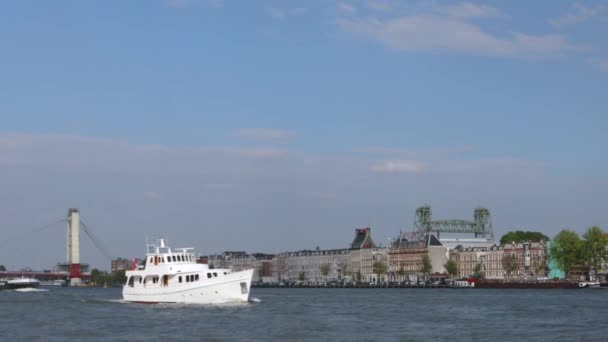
(271, 126)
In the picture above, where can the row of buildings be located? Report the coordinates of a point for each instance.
(401, 260)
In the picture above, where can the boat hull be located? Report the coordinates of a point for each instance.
(15, 284)
(232, 288)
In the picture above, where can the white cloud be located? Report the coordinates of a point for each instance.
(578, 14)
(235, 191)
(399, 166)
(262, 153)
(443, 34)
(379, 6)
(280, 13)
(269, 135)
(347, 8)
(466, 10)
(276, 12)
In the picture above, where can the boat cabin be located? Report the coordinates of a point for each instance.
(164, 267)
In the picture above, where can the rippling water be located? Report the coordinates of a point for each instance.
(75, 314)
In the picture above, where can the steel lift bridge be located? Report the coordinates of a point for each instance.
(481, 226)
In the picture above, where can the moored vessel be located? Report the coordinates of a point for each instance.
(173, 276)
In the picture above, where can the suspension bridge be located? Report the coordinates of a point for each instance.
(72, 270)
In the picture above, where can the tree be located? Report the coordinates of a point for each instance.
(118, 277)
(427, 267)
(401, 272)
(379, 268)
(451, 267)
(523, 236)
(2, 268)
(477, 272)
(595, 247)
(509, 264)
(568, 251)
(324, 269)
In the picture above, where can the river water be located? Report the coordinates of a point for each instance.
(96, 314)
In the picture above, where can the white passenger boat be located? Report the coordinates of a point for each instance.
(19, 283)
(173, 276)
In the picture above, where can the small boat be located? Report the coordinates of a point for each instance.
(460, 284)
(590, 284)
(19, 283)
(174, 276)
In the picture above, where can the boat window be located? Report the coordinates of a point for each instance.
(196, 277)
(209, 275)
(162, 260)
(151, 259)
(225, 273)
(179, 279)
(130, 281)
(173, 257)
(187, 279)
(179, 258)
(215, 274)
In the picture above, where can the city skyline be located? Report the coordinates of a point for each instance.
(275, 126)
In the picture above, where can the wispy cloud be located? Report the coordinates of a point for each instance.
(269, 135)
(232, 189)
(347, 8)
(378, 6)
(602, 64)
(276, 12)
(280, 13)
(399, 166)
(465, 10)
(262, 152)
(435, 33)
(578, 14)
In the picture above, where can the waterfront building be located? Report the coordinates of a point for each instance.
(489, 259)
(405, 255)
(318, 265)
(262, 263)
(531, 259)
(369, 256)
(279, 267)
(121, 264)
(361, 253)
(438, 253)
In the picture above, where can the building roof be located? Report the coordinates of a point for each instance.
(362, 239)
(432, 240)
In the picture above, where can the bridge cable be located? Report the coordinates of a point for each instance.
(96, 242)
(35, 230)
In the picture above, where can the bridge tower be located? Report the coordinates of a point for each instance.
(73, 246)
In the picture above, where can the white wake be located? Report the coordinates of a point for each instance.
(30, 289)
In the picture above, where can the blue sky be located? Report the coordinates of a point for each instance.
(282, 118)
